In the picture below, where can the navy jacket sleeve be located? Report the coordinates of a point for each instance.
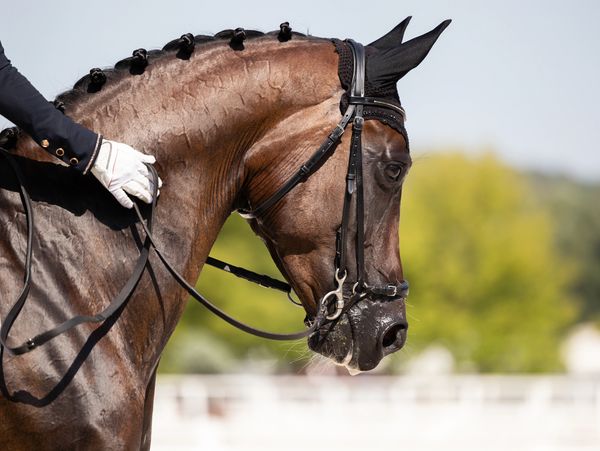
(23, 105)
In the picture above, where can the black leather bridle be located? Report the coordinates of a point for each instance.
(354, 186)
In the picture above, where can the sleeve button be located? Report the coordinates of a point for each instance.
(60, 152)
(74, 161)
(45, 143)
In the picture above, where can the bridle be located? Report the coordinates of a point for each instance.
(354, 186)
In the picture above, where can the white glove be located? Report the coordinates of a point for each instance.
(121, 169)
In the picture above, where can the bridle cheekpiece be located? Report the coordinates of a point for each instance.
(357, 100)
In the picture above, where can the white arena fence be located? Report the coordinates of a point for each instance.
(372, 413)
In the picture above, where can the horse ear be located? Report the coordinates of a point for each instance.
(393, 38)
(387, 66)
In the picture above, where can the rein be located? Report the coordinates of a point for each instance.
(354, 185)
(48, 335)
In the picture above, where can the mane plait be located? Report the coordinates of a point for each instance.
(9, 137)
(184, 46)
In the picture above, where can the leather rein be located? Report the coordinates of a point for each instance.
(354, 186)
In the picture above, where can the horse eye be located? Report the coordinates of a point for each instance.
(394, 171)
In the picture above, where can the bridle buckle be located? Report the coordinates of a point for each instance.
(392, 290)
(338, 294)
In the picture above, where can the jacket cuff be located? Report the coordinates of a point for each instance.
(70, 142)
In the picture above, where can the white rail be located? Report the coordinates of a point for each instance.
(530, 413)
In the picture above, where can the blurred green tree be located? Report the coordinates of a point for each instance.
(574, 205)
(219, 346)
(486, 279)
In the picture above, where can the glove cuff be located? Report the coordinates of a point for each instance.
(94, 156)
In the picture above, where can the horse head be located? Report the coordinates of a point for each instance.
(305, 230)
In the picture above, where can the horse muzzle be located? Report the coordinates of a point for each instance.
(364, 333)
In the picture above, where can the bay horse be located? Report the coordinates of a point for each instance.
(229, 118)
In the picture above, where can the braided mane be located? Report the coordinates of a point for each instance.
(181, 48)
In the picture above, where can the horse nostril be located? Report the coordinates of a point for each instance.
(394, 337)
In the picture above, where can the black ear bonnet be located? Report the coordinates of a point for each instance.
(387, 91)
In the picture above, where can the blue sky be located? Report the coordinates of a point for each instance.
(520, 78)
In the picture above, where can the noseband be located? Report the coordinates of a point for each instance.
(354, 186)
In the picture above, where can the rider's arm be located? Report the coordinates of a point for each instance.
(56, 133)
(119, 167)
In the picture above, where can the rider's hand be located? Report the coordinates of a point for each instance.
(121, 169)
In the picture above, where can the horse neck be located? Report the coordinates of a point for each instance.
(201, 116)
